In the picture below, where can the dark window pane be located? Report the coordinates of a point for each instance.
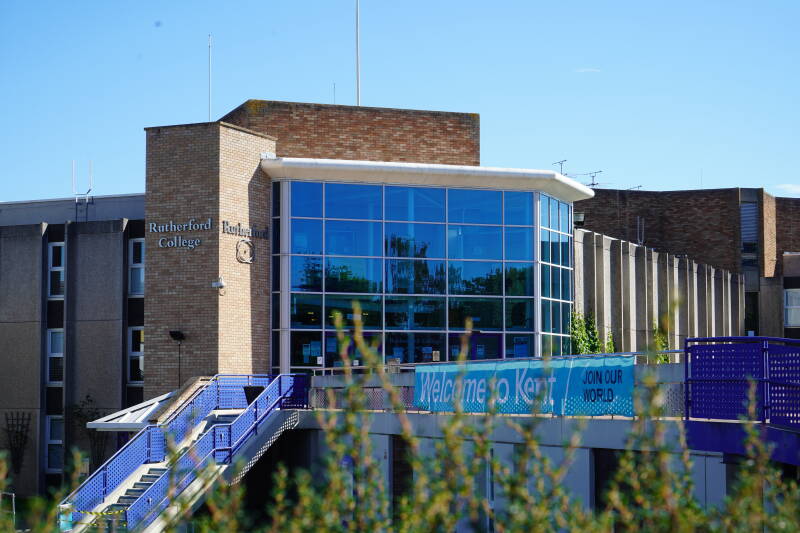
(137, 340)
(563, 217)
(566, 314)
(276, 236)
(135, 311)
(306, 274)
(420, 204)
(476, 207)
(553, 213)
(276, 273)
(345, 237)
(136, 368)
(353, 201)
(371, 310)
(57, 283)
(546, 316)
(565, 250)
(555, 309)
(276, 310)
(414, 240)
(519, 244)
(276, 349)
(520, 315)
(475, 277)
(306, 236)
(486, 313)
(519, 208)
(333, 354)
(544, 211)
(555, 249)
(545, 246)
(520, 346)
(481, 346)
(57, 256)
(475, 242)
(415, 313)
(306, 311)
(353, 275)
(555, 285)
(545, 281)
(306, 348)
(55, 368)
(55, 312)
(566, 284)
(409, 276)
(519, 279)
(55, 456)
(276, 198)
(138, 252)
(306, 199)
(415, 347)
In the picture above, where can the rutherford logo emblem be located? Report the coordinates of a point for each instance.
(245, 251)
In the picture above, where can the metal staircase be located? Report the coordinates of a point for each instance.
(145, 476)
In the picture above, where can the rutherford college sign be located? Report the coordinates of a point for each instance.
(582, 386)
(179, 241)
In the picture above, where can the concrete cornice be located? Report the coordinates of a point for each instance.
(341, 170)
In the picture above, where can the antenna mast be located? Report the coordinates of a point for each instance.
(209, 77)
(560, 165)
(358, 56)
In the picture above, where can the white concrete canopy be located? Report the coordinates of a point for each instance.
(133, 418)
(341, 170)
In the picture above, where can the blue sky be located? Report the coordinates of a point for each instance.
(666, 95)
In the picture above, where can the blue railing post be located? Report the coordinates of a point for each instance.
(686, 378)
(765, 377)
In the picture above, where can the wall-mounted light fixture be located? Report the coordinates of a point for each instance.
(178, 336)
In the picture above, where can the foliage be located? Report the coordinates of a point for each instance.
(651, 492)
(585, 337)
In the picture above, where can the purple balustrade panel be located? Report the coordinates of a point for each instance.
(719, 377)
(784, 384)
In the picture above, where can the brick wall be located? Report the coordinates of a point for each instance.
(703, 224)
(203, 171)
(787, 222)
(367, 133)
(768, 255)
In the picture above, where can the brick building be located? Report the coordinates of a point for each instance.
(745, 231)
(253, 230)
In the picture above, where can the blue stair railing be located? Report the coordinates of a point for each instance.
(223, 391)
(217, 446)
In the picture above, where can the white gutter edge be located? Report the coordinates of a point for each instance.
(547, 181)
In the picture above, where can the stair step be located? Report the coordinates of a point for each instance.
(150, 478)
(141, 485)
(158, 471)
(134, 492)
(126, 500)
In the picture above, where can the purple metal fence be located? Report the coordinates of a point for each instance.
(719, 371)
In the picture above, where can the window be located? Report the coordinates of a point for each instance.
(136, 355)
(54, 444)
(136, 267)
(306, 236)
(792, 308)
(305, 309)
(413, 312)
(415, 347)
(344, 274)
(475, 242)
(306, 199)
(55, 268)
(421, 204)
(352, 237)
(414, 240)
(475, 277)
(353, 201)
(371, 310)
(475, 206)
(55, 356)
(413, 276)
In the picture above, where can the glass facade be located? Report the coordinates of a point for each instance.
(421, 261)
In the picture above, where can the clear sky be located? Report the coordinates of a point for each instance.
(666, 95)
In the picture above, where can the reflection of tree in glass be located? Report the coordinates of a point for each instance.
(399, 246)
(489, 284)
(519, 280)
(341, 278)
(416, 277)
(311, 276)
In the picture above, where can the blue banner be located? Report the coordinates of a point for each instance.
(582, 386)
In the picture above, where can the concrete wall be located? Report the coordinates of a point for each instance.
(21, 337)
(629, 288)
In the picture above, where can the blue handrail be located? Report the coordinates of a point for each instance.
(150, 443)
(186, 467)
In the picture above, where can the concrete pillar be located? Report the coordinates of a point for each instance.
(702, 300)
(683, 299)
(642, 297)
(627, 341)
(719, 304)
(616, 308)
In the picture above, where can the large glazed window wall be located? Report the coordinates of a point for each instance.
(420, 260)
